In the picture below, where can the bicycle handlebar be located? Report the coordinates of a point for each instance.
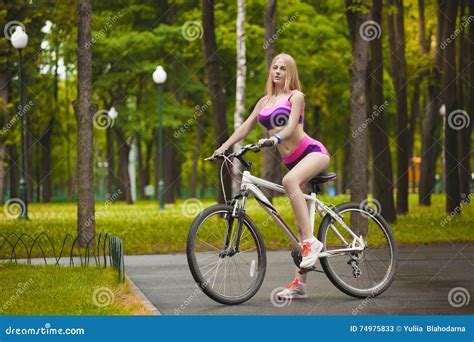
(240, 153)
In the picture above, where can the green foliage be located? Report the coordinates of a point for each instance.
(59, 290)
(146, 230)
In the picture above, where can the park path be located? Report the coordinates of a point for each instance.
(425, 276)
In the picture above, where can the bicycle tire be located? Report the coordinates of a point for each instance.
(193, 262)
(328, 267)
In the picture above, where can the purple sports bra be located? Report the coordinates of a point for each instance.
(278, 115)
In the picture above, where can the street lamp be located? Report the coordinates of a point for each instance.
(112, 113)
(19, 41)
(159, 77)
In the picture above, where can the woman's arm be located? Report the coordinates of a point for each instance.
(244, 129)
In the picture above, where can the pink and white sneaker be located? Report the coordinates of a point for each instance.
(296, 289)
(310, 253)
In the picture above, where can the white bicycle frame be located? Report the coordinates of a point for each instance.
(250, 183)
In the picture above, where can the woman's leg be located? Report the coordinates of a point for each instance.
(310, 166)
(294, 183)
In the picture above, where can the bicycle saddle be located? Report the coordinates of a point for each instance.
(323, 178)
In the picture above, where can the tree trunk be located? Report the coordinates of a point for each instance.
(123, 179)
(396, 33)
(194, 172)
(241, 71)
(449, 97)
(215, 88)
(149, 150)
(46, 183)
(359, 160)
(110, 162)
(415, 113)
(141, 170)
(169, 173)
(346, 165)
(381, 156)
(84, 111)
(2, 172)
(464, 135)
(3, 115)
(431, 122)
(271, 167)
(468, 130)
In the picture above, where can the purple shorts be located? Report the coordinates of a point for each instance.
(306, 146)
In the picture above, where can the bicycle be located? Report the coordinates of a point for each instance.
(230, 241)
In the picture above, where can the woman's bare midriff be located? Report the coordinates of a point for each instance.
(291, 142)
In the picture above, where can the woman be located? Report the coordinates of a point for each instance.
(281, 113)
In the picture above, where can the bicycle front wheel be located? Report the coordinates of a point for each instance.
(226, 275)
(362, 274)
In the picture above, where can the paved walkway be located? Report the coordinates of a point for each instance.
(425, 276)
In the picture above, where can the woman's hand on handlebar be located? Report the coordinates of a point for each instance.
(272, 141)
(219, 151)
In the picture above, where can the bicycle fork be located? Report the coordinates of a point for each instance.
(238, 213)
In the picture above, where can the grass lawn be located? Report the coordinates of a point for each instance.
(144, 229)
(58, 290)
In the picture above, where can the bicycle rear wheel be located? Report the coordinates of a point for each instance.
(359, 274)
(225, 275)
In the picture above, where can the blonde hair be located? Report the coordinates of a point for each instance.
(292, 81)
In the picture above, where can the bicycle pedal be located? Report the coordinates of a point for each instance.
(306, 270)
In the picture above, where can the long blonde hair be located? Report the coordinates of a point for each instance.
(292, 81)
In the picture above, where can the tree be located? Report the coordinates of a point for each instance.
(381, 156)
(431, 122)
(396, 38)
(241, 72)
(359, 104)
(84, 111)
(464, 135)
(214, 86)
(271, 167)
(449, 97)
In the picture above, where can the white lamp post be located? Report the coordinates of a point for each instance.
(19, 41)
(159, 77)
(113, 113)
